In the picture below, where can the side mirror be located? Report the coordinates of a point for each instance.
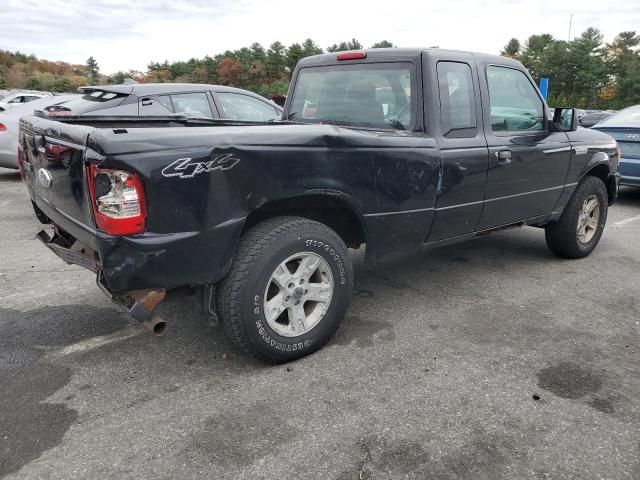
(566, 119)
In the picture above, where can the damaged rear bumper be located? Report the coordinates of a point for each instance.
(70, 250)
(147, 261)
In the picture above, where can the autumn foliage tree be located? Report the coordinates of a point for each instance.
(584, 72)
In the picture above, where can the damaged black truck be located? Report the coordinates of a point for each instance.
(395, 149)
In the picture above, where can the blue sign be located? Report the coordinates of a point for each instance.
(544, 87)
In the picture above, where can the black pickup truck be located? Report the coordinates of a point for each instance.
(398, 149)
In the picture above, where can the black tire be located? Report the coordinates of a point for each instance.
(562, 236)
(240, 295)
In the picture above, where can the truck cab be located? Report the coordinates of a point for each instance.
(478, 120)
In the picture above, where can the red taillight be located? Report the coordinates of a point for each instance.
(351, 55)
(118, 201)
(2, 128)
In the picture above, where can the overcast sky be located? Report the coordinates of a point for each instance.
(125, 35)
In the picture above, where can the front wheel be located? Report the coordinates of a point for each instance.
(581, 224)
(287, 290)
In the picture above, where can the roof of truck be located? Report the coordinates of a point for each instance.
(395, 54)
(163, 88)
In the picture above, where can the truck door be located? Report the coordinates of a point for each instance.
(528, 162)
(456, 124)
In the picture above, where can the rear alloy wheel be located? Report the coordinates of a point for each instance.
(287, 289)
(298, 294)
(577, 233)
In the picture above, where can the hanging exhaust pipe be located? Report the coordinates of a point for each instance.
(156, 325)
(145, 302)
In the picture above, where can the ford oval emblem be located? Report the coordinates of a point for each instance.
(632, 136)
(44, 177)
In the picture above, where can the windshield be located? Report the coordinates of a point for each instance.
(373, 96)
(95, 100)
(629, 117)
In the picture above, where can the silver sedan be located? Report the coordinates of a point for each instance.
(9, 122)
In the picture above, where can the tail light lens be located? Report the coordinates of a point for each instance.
(2, 128)
(118, 201)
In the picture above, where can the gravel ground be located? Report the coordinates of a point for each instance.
(489, 359)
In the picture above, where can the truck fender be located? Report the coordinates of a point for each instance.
(316, 204)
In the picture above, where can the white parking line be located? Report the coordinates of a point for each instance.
(96, 342)
(626, 220)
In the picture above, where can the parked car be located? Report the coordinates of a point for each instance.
(10, 120)
(151, 99)
(18, 98)
(259, 215)
(590, 119)
(624, 126)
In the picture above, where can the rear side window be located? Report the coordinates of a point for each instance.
(514, 102)
(165, 101)
(366, 95)
(457, 100)
(243, 107)
(94, 100)
(194, 104)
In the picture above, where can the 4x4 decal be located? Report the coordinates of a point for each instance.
(189, 168)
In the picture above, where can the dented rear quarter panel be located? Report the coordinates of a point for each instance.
(374, 172)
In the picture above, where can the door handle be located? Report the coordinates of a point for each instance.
(504, 157)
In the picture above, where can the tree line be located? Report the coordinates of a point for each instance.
(264, 71)
(584, 72)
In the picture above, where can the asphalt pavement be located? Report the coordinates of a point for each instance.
(490, 359)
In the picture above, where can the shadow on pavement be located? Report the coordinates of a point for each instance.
(9, 175)
(629, 196)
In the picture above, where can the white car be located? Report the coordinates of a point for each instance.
(18, 98)
(9, 122)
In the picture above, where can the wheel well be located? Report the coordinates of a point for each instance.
(602, 172)
(332, 211)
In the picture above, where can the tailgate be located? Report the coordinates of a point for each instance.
(53, 155)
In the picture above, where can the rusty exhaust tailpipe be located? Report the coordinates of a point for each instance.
(156, 325)
(145, 301)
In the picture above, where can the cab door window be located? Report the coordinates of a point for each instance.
(514, 101)
(457, 100)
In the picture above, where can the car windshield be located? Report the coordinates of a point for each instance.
(629, 117)
(95, 100)
(371, 96)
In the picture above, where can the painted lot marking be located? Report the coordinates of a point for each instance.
(624, 222)
(96, 342)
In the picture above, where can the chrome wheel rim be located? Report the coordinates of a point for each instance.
(298, 294)
(588, 219)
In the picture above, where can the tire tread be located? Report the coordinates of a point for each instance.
(252, 246)
(560, 236)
